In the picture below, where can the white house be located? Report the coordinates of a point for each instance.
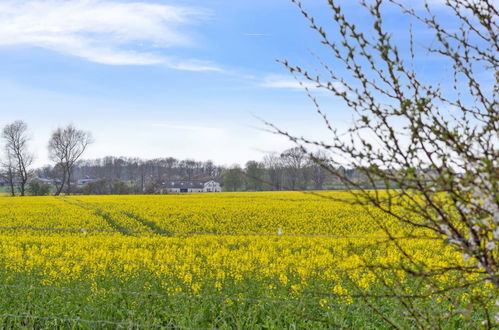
(191, 186)
(212, 186)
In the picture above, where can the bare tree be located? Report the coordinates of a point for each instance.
(19, 158)
(8, 172)
(317, 164)
(294, 160)
(273, 163)
(66, 146)
(436, 143)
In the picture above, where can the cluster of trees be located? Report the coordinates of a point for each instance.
(18, 159)
(289, 170)
(125, 175)
(66, 145)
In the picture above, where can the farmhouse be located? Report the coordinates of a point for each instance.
(192, 186)
(212, 186)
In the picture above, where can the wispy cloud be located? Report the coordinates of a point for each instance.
(283, 81)
(193, 65)
(103, 31)
(290, 83)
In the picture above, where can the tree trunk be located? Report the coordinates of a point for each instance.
(22, 187)
(63, 181)
(11, 183)
(24, 177)
(69, 183)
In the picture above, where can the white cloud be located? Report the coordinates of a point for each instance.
(194, 65)
(289, 82)
(102, 31)
(283, 81)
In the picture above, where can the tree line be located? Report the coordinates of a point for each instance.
(289, 170)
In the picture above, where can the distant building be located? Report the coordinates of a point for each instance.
(191, 186)
(212, 186)
(3, 182)
(82, 182)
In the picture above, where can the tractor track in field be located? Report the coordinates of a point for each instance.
(153, 226)
(102, 214)
(147, 223)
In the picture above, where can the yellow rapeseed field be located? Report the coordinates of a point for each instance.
(258, 248)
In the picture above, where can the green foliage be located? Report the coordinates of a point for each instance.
(142, 303)
(233, 179)
(255, 173)
(37, 188)
(108, 187)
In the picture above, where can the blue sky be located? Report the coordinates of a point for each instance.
(164, 78)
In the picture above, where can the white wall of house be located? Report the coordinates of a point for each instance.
(212, 186)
